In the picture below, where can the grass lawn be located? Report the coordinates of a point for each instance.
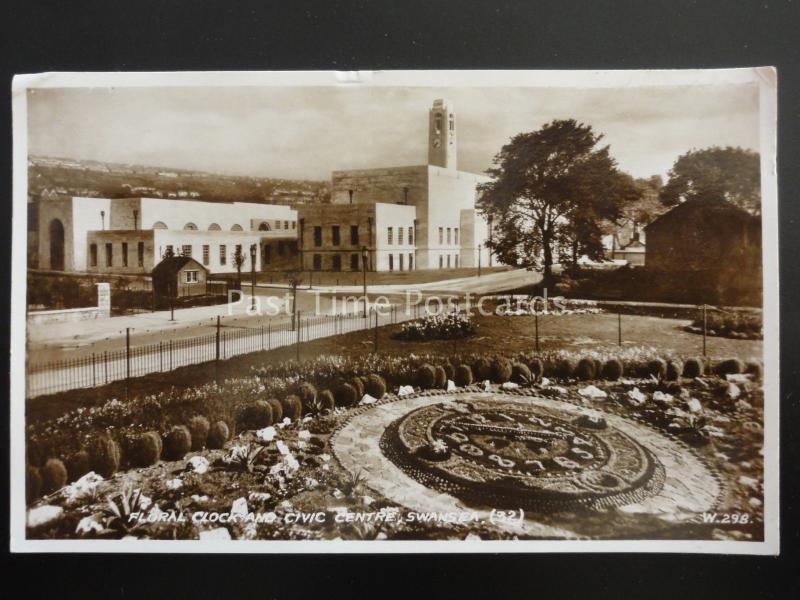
(495, 335)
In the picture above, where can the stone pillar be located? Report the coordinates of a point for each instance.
(104, 299)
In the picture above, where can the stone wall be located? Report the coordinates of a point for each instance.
(381, 185)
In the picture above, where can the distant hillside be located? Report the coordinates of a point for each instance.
(67, 177)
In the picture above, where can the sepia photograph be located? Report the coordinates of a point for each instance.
(393, 311)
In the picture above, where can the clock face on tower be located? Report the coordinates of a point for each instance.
(437, 142)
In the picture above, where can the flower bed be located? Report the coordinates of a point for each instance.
(266, 433)
(738, 325)
(437, 327)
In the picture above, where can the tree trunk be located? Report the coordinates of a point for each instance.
(548, 258)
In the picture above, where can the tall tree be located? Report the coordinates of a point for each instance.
(552, 186)
(238, 261)
(733, 173)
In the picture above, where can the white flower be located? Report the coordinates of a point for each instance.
(239, 508)
(88, 525)
(174, 484)
(591, 391)
(367, 399)
(367, 500)
(636, 397)
(324, 457)
(337, 493)
(259, 496)
(405, 390)
(304, 434)
(82, 489)
(199, 464)
(282, 447)
(509, 385)
(301, 444)
(267, 434)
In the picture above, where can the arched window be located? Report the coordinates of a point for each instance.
(159, 225)
(214, 227)
(237, 227)
(264, 226)
(56, 245)
(190, 227)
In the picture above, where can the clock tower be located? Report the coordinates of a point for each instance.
(442, 135)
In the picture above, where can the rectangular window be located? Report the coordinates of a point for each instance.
(441, 261)
(317, 236)
(294, 224)
(109, 255)
(441, 235)
(410, 235)
(124, 254)
(277, 224)
(140, 253)
(400, 236)
(456, 257)
(337, 262)
(448, 235)
(401, 261)
(410, 262)
(456, 235)
(206, 253)
(354, 262)
(93, 255)
(354, 235)
(389, 236)
(448, 261)
(335, 235)
(186, 250)
(237, 251)
(318, 262)
(286, 224)
(191, 276)
(267, 254)
(223, 255)
(391, 262)
(281, 247)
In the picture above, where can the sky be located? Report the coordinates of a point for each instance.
(307, 132)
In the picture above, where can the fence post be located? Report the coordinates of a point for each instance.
(536, 323)
(94, 379)
(705, 327)
(269, 335)
(160, 356)
(170, 355)
(297, 342)
(216, 357)
(619, 327)
(375, 336)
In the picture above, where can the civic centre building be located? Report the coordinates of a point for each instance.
(386, 219)
(400, 218)
(132, 235)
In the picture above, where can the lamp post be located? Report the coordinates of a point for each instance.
(479, 260)
(252, 277)
(364, 257)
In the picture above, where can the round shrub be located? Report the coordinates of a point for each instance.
(536, 367)
(358, 385)
(256, 415)
(218, 434)
(326, 400)
(732, 366)
(463, 375)
(198, 427)
(693, 367)
(54, 475)
(277, 410)
(292, 407)
(482, 369)
(501, 370)
(146, 449)
(674, 370)
(585, 370)
(345, 394)
(440, 378)
(375, 386)
(33, 484)
(78, 465)
(449, 371)
(425, 377)
(612, 369)
(520, 373)
(152, 413)
(755, 369)
(104, 455)
(657, 368)
(306, 392)
(177, 443)
(565, 368)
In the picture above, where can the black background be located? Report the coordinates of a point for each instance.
(167, 35)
